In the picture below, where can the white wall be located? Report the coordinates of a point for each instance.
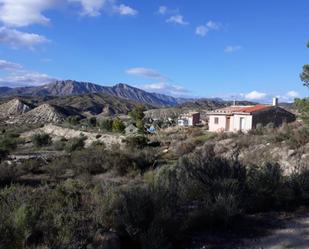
(221, 126)
(247, 122)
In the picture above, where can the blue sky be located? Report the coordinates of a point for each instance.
(232, 49)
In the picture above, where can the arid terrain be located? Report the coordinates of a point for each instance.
(73, 175)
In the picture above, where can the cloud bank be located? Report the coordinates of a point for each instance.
(164, 84)
(17, 76)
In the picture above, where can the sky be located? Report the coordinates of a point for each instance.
(239, 49)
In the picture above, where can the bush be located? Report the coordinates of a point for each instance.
(75, 144)
(3, 154)
(107, 124)
(302, 106)
(92, 122)
(9, 173)
(137, 142)
(8, 142)
(74, 120)
(264, 187)
(118, 126)
(40, 140)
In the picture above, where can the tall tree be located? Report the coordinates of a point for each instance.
(305, 74)
(303, 104)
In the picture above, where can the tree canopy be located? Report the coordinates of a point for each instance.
(305, 74)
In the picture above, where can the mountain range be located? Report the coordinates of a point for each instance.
(73, 88)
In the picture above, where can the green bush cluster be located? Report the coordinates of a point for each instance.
(41, 139)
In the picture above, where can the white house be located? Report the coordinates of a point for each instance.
(189, 119)
(244, 118)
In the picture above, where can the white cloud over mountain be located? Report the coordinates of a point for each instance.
(255, 95)
(16, 75)
(164, 84)
(165, 88)
(146, 72)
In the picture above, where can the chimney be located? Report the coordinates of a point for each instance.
(275, 101)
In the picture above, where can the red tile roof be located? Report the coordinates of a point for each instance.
(254, 108)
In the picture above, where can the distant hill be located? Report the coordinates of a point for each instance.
(42, 114)
(13, 108)
(95, 104)
(55, 109)
(70, 87)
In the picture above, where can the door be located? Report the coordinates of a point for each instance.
(228, 122)
(242, 124)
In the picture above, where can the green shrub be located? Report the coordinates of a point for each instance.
(74, 120)
(107, 124)
(40, 140)
(75, 144)
(118, 126)
(3, 154)
(92, 122)
(8, 142)
(302, 106)
(264, 185)
(59, 145)
(137, 142)
(9, 173)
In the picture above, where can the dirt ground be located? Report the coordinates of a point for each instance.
(264, 231)
(294, 234)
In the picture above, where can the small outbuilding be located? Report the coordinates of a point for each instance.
(189, 119)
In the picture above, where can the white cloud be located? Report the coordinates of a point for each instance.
(262, 97)
(126, 10)
(9, 66)
(15, 38)
(20, 13)
(165, 88)
(26, 79)
(255, 95)
(95, 7)
(292, 94)
(204, 29)
(162, 10)
(232, 49)
(146, 72)
(164, 84)
(177, 19)
(90, 7)
(18, 76)
(213, 25)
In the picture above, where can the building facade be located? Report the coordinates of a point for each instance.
(245, 118)
(189, 119)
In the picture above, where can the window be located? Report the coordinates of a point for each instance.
(216, 120)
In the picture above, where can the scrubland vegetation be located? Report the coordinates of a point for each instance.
(154, 192)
